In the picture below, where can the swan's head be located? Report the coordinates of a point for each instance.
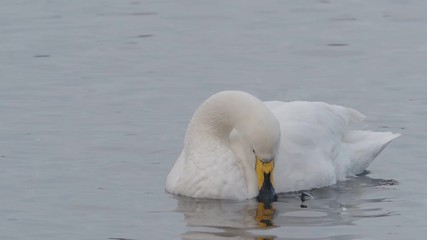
(265, 139)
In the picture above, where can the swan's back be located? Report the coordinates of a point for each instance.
(317, 148)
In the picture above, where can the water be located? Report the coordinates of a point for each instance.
(95, 97)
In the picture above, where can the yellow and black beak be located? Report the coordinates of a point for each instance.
(264, 171)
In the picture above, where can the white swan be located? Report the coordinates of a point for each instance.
(233, 137)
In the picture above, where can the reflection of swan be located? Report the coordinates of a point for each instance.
(232, 132)
(340, 205)
(218, 213)
(216, 219)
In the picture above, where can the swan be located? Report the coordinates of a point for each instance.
(234, 141)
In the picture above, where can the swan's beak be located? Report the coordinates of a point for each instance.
(264, 171)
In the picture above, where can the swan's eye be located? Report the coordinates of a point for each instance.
(253, 150)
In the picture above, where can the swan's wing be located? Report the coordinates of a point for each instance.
(310, 143)
(317, 148)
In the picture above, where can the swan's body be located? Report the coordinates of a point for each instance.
(309, 141)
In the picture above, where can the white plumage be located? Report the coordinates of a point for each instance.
(311, 144)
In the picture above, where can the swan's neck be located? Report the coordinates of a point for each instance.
(225, 111)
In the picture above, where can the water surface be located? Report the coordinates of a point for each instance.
(95, 97)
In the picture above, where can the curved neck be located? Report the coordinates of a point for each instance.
(228, 110)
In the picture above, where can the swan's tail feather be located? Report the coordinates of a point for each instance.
(364, 146)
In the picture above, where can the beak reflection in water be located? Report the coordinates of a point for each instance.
(264, 215)
(264, 171)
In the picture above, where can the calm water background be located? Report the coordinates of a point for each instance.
(95, 97)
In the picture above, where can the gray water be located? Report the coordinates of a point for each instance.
(95, 97)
